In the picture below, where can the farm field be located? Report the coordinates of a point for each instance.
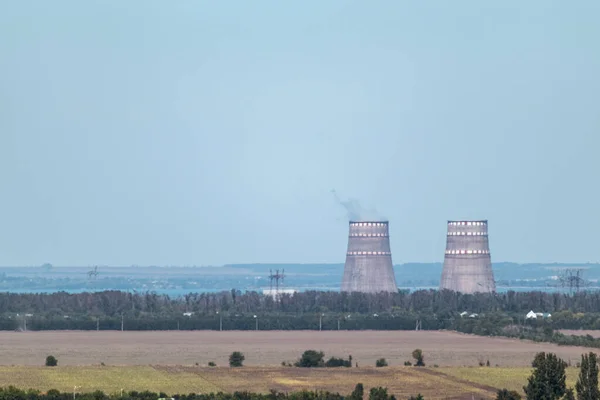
(401, 381)
(267, 348)
(510, 378)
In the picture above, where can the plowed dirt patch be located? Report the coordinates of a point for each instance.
(267, 348)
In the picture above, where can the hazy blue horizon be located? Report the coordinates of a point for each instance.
(182, 133)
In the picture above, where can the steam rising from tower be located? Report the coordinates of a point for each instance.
(368, 267)
(467, 263)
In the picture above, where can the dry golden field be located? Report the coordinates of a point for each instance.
(266, 348)
(401, 381)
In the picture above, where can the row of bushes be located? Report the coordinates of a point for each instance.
(378, 393)
(309, 359)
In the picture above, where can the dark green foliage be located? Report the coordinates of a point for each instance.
(417, 397)
(51, 361)
(380, 393)
(547, 382)
(417, 354)
(407, 363)
(236, 359)
(587, 383)
(311, 359)
(212, 364)
(569, 395)
(506, 394)
(12, 393)
(382, 362)
(358, 392)
(499, 313)
(338, 362)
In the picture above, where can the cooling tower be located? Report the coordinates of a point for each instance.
(467, 263)
(368, 266)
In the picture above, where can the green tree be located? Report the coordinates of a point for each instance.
(358, 392)
(380, 393)
(506, 394)
(51, 361)
(547, 382)
(587, 383)
(236, 359)
(311, 359)
(418, 356)
(382, 362)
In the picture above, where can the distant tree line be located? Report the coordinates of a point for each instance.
(378, 393)
(428, 301)
(110, 310)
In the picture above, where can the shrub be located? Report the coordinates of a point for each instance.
(407, 363)
(212, 364)
(236, 359)
(358, 392)
(381, 363)
(419, 358)
(338, 362)
(379, 393)
(51, 361)
(505, 394)
(311, 359)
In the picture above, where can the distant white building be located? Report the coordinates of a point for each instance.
(188, 314)
(273, 292)
(534, 315)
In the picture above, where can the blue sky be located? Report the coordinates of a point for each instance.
(204, 133)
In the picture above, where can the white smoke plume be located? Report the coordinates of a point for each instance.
(355, 211)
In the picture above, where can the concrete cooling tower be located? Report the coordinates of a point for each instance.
(368, 266)
(467, 263)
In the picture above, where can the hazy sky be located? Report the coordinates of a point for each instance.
(205, 133)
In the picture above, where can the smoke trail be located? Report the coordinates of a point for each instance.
(355, 211)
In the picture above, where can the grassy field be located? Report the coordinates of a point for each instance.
(166, 361)
(509, 378)
(268, 348)
(401, 381)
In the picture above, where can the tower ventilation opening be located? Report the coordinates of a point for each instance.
(368, 267)
(467, 262)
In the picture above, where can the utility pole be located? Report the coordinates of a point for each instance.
(97, 323)
(338, 324)
(121, 322)
(256, 319)
(321, 322)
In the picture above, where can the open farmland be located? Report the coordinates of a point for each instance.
(267, 348)
(400, 381)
